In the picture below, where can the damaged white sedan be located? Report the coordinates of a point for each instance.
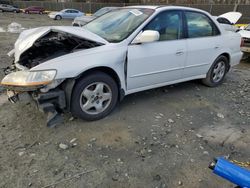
(86, 71)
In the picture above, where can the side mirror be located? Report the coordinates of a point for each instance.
(147, 36)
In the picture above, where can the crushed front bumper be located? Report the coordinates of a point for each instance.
(52, 103)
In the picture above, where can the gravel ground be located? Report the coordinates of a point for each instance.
(164, 137)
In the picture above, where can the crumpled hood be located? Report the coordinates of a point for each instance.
(28, 37)
(244, 33)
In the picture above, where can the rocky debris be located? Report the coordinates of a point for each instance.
(220, 115)
(92, 140)
(199, 136)
(178, 115)
(157, 177)
(170, 121)
(180, 183)
(73, 140)
(63, 146)
(21, 153)
(15, 28)
(158, 117)
(205, 153)
(115, 177)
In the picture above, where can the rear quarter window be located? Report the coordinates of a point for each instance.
(200, 25)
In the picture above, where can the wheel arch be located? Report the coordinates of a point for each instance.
(227, 55)
(69, 84)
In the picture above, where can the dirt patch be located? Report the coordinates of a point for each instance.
(156, 138)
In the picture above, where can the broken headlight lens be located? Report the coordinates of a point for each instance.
(29, 78)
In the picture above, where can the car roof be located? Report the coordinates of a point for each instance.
(166, 7)
(70, 9)
(143, 6)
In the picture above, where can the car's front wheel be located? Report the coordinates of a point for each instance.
(94, 96)
(217, 72)
(58, 17)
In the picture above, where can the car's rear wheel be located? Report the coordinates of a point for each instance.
(58, 17)
(40, 12)
(217, 72)
(26, 12)
(94, 96)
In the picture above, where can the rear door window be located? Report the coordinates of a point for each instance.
(199, 25)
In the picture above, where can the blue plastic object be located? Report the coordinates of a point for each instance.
(233, 173)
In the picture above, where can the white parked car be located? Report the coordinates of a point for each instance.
(88, 70)
(66, 14)
(245, 45)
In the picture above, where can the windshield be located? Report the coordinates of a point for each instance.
(117, 25)
(101, 12)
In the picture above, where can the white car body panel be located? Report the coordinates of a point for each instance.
(144, 70)
(148, 65)
(244, 33)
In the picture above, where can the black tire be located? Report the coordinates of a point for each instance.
(26, 12)
(58, 17)
(83, 83)
(40, 12)
(209, 81)
(1, 10)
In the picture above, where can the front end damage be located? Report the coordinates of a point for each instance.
(51, 95)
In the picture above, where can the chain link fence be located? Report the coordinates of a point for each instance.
(214, 8)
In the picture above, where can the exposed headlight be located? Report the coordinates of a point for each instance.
(29, 78)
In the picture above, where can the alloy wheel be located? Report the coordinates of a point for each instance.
(95, 98)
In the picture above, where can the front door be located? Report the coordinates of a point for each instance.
(157, 63)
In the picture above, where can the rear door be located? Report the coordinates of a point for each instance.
(74, 13)
(203, 43)
(66, 14)
(156, 63)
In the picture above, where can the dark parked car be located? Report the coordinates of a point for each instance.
(34, 9)
(9, 8)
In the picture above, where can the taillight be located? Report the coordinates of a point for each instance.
(242, 42)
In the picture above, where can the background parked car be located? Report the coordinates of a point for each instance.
(9, 8)
(66, 14)
(228, 20)
(245, 45)
(34, 10)
(81, 21)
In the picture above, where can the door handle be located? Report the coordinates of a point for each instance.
(216, 47)
(179, 53)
